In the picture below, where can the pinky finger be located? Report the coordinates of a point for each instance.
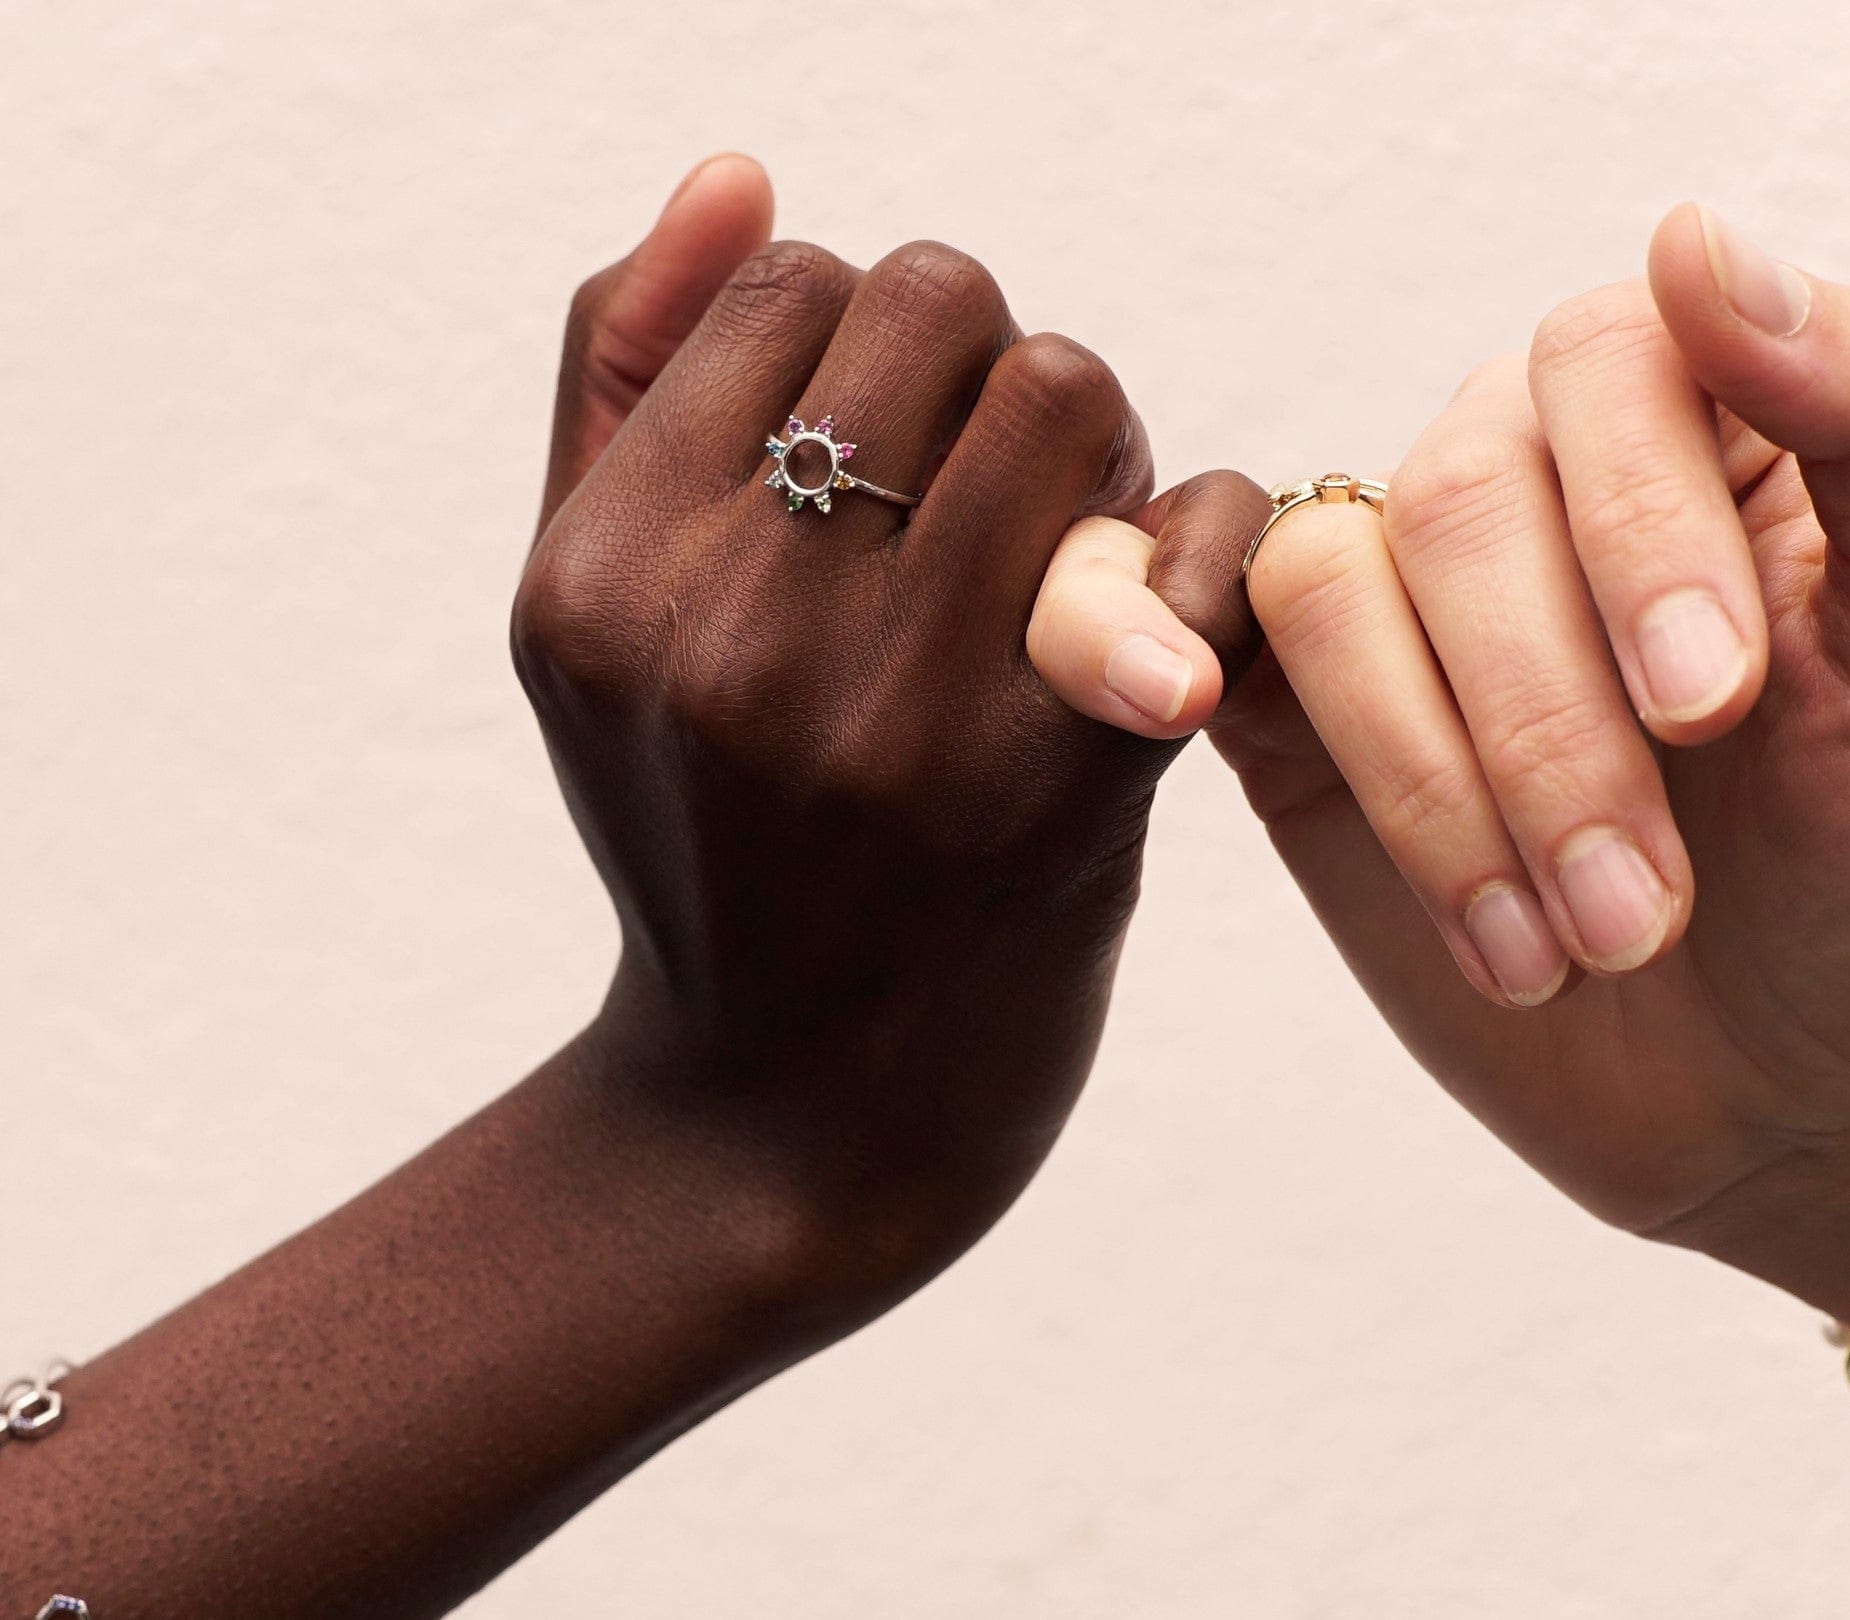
(1143, 629)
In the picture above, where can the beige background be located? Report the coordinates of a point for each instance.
(287, 888)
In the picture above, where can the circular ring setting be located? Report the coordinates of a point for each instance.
(1336, 488)
(796, 493)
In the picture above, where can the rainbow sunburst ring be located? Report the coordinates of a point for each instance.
(796, 493)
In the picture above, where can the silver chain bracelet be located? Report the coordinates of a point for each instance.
(30, 1408)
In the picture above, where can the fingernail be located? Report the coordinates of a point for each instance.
(1149, 677)
(1692, 655)
(688, 179)
(1510, 929)
(1763, 292)
(1620, 904)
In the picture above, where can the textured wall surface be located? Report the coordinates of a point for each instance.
(287, 888)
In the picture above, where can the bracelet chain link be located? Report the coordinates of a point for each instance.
(31, 1408)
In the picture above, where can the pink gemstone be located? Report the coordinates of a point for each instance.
(846, 450)
(794, 425)
(826, 425)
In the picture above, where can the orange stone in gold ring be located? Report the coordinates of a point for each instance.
(1332, 488)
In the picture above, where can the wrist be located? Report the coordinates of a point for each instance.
(834, 1165)
(682, 1170)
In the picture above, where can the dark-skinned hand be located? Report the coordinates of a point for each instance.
(872, 877)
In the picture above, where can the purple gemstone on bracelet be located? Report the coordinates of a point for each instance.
(826, 425)
(794, 425)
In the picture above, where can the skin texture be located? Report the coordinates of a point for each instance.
(873, 880)
(1450, 705)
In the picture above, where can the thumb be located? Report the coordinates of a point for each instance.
(1144, 624)
(627, 321)
(1773, 346)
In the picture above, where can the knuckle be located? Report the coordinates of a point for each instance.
(1592, 327)
(941, 284)
(1426, 794)
(1633, 503)
(531, 630)
(783, 284)
(1052, 377)
(605, 355)
(1456, 482)
(592, 297)
(1541, 740)
(556, 629)
(1220, 500)
(786, 268)
(1195, 568)
(586, 611)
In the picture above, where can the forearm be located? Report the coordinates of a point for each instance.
(383, 1413)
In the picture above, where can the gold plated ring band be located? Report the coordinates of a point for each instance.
(1334, 488)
